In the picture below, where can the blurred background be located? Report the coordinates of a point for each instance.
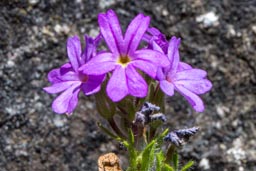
(218, 36)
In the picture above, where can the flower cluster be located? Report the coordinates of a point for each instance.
(147, 115)
(124, 66)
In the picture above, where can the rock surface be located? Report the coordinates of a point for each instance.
(32, 42)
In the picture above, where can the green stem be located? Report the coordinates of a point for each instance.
(122, 110)
(170, 153)
(152, 132)
(113, 125)
(158, 98)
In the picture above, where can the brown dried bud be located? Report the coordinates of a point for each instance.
(109, 162)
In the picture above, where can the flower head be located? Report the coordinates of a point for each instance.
(124, 59)
(69, 80)
(183, 78)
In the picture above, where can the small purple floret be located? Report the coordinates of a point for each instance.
(182, 77)
(124, 58)
(69, 80)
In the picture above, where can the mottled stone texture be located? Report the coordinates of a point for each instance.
(32, 42)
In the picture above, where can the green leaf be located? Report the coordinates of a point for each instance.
(167, 167)
(132, 151)
(148, 155)
(159, 161)
(131, 137)
(160, 138)
(187, 166)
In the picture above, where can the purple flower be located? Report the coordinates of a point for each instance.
(183, 78)
(69, 80)
(154, 36)
(124, 58)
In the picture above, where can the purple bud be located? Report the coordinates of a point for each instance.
(173, 138)
(149, 108)
(186, 133)
(157, 117)
(140, 119)
(177, 137)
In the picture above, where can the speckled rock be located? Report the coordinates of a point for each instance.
(32, 42)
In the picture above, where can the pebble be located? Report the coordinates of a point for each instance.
(10, 64)
(236, 154)
(165, 12)
(231, 30)
(105, 3)
(204, 164)
(46, 31)
(33, 2)
(241, 168)
(208, 19)
(59, 121)
(59, 29)
(254, 29)
(222, 110)
(21, 153)
(93, 32)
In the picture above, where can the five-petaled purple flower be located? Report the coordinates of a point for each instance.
(124, 58)
(182, 77)
(69, 80)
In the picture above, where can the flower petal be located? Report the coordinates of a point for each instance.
(99, 64)
(111, 31)
(74, 51)
(145, 66)
(160, 74)
(59, 74)
(66, 68)
(54, 76)
(196, 86)
(152, 56)
(73, 101)
(183, 66)
(59, 87)
(167, 87)
(70, 76)
(154, 31)
(137, 86)
(89, 49)
(173, 53)
(190, 74)
(67, 101)
(93, 84)
(117, 85)
(157, 47)
(194, 100)
(134, 33)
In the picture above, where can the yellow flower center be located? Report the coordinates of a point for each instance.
(123, 60)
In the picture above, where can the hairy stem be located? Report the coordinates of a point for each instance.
(113, 125)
